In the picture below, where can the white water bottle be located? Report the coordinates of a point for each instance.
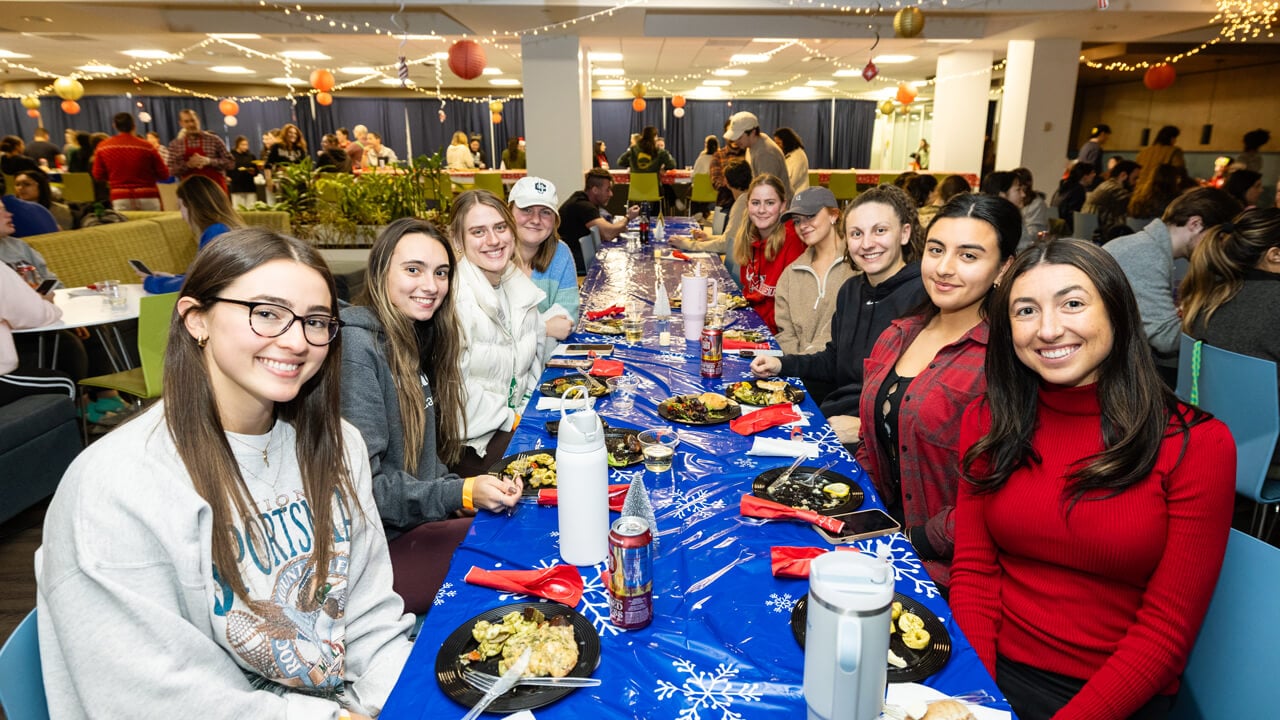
(582, 479)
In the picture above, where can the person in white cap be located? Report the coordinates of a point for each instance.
(763, 154)
(543, 256)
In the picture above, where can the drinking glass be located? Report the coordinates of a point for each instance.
(633, 328)
(659, 447)
(113, 294)
(623, 391)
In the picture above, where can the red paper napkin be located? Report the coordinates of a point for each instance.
(753, 506)
(763, 419)
(606, 368)
(607, 312)
(678, 254)
(734, 344)
(617, 496)
(793, 562)
(561, 583)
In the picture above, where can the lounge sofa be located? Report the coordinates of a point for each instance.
(39, 437)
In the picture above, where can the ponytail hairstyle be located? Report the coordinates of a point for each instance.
(191, 411)
(742, 250)
(1220, 261)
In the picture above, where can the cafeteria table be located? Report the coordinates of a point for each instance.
(720, 646)
(85, 308)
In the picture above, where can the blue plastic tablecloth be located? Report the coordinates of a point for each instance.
(720, 646)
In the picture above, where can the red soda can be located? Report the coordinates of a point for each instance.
(712, 352)
(630, 573)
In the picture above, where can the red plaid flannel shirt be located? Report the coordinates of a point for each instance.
(207, 144)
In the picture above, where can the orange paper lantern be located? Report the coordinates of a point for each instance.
(906, 94)
(70, 107)
(638, 104)
(1159, 77)
(496, 118)
(32, 112)
(677, 101)
(466, 59)
(322, 80)
(324, 98)
(229, 107)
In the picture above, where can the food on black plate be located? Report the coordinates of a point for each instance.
(764, 392)
(556, 387)
(536, 471)
(623, 447)
(797, 493)
(554, 650)
(707, 407)
(751, 336)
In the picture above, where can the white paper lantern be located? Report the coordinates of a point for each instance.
(230, 120)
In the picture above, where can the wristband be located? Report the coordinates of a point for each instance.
(468, 486)
(344, 714)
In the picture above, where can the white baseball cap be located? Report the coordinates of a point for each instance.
(739, 124)
(530, 191)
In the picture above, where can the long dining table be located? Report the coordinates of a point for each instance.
(721, 644)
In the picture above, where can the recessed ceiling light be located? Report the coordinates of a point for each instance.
(231, 70)
(729, 72)
(771, 40)
(510, 82)
(801, 91)
(847, 72)
(423, 37)
(438, 56)
(357, 70)
(101, 69)
(13, 55)
(304, 55)
(821, 83)
(749, 58)
(149, 54)
(235, 36)
(893, 59)
(604, 56)
(287, 81)
(717, 83)
(491, 71)
(608, 71)
(611, 82)
(706, 91)
(391, 81)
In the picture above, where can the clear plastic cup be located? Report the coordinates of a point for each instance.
(659, 448)
(623, 391)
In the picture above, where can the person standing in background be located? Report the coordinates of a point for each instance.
(41, 149)
(14, 160)
(196, 152)
(719, 161)
(598, 157)
(478, 154)
(513, 158)
(797, 159)
(1251, 159)
(130, 166)
(763, 153)
(458, 155)
(1161, 151)
(1091, 151)
(355, 148)
(244, 192)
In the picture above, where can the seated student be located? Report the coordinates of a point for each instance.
(737, 175)
(224, 546)
(1008, 185)
(545, 259)
(1073, 189)
(503, 333)
(951, 186)
(884, 241)
(767, 245)
(1095, 506)
(33, 186)
(21, 307)
(926, 368)
(806, 294)
(585, 209)
(208, 211)
(1232, 288)
(1110, 199)
(402, 388)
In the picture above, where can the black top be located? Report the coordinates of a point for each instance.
(240, 178)
(1247, 323)
(863, 312)
(14, 164)
(888, 403)
(575, 213)
(43, 150)
(278, 155)
(333, 160)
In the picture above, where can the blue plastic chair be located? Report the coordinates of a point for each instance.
(21, 679)
(1231, 671)
(1240, 390)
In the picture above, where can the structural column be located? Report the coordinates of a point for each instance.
(960, 111)
(1035, 113)
(557, 109)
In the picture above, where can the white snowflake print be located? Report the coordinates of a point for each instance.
(827, 440)
(906, 564)
(744, 461)
(695, 506)
(621, 476)
(595, 600)
(781, 603)
(446, 591)
(709, 692)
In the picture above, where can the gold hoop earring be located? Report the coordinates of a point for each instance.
(202, 341)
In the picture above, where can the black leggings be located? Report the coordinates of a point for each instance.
(23, 382)
(1036, 694)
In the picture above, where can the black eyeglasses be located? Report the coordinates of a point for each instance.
(270, 320)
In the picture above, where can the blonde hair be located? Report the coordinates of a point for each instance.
(464, 204)
(459, 138)
(1220, 261)
(742, 246)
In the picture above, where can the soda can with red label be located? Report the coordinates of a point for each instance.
(630, 573)
(712, 352)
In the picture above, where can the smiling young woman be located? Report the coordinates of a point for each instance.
(927, 367)
(1093, 518)
(545, 259)
(806, 295)
(768, 244)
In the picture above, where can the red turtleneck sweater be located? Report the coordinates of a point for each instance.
(1113, 593)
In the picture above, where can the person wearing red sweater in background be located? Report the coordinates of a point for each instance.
(131, 166)
(1095, 509)
(768, 244)
(926, 368)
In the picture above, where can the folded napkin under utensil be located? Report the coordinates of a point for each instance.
(758, 507)
(763, 419)
(561, 583)
(776, 447)
(617, 496)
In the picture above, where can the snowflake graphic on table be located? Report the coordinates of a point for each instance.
(709, 692)
(595, 600)
(695, 506)
(446, 591)
(744, 461)
(781, 603)
(827, 440)
(626, 476)
(906, 564)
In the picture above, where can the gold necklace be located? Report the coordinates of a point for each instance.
(262, 450)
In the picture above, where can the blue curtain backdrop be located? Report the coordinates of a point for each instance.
(395, 119)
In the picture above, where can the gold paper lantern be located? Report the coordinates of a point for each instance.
(638, 90)
(495, 106)
(886, 107)
(68, 88)
(902, 109)
(31, 102)
(909, 22)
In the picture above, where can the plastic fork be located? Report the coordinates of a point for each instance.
(485, 681)
(786, 475)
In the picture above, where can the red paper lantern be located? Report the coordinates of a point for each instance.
(677, 101)
(33, 113)
(324, 98)
(322, 80)
(70, 107)
(466, 59)
(229, 107)
(1159, 77)
(496, 118)
(906, 94)
(638, 104)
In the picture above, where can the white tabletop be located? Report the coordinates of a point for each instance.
(82, 307)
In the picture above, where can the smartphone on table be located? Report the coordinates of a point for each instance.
(583, 349)
(860, 525)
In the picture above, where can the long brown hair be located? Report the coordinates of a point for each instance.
(433, 347)
(1220, 261)
(742, 250)
(462, 206)
(301, 144)
(191, 408)
(207, 204)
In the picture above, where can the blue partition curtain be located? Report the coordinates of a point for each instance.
(395, 119)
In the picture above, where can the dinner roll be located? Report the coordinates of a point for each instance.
(948, 710)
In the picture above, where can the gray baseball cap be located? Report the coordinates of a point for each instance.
(811, 201)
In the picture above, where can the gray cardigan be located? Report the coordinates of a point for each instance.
(1147, 260)
(369, 402)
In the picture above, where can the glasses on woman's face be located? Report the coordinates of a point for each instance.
(269, 320)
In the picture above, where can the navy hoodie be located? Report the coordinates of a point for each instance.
(863, 311)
